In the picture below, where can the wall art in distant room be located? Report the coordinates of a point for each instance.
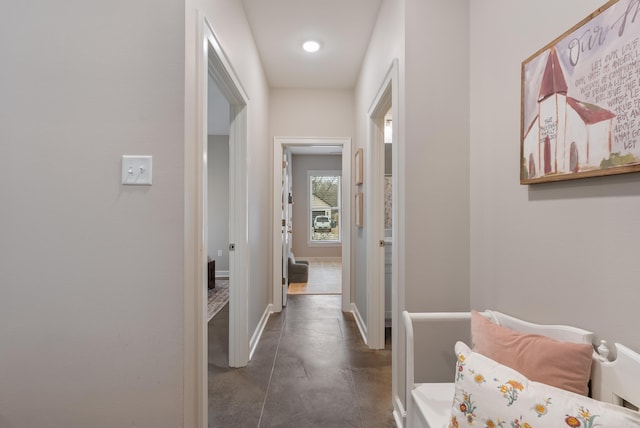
(359, 166)
(359, 209)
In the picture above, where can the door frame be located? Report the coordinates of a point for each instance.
(388, 96)
(385, 99)
(285, 174)
(210, 57)
(279, 144)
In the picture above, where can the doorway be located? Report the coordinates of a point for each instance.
(281, 220)
(221, 72)
(385, 105)
(317, 225)
(219, 278)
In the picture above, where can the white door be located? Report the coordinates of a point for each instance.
(286, 225)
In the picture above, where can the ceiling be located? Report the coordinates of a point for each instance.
(343, 28)
(279, 27)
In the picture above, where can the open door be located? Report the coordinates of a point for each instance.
(286, 223)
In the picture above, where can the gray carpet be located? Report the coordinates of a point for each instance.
(217, 298)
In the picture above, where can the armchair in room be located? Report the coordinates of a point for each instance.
(298, 270)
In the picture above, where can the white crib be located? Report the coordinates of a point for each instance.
(429, 404)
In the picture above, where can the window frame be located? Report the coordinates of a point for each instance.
(323, 243)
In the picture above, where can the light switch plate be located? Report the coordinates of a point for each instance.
(137, 170)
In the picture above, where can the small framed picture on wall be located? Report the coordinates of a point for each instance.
(359, 209)
(359, 166)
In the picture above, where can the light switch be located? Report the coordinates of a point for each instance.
(136, 169)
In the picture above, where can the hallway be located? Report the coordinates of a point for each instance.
(311, 369)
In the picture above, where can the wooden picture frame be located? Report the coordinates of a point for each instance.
(359, 166)
(580, 100)
(359, 209)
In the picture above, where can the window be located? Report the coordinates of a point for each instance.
(324, 206)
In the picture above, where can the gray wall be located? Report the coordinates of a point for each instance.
(562, 252)
(92, 302)
(218, 200)
(301, 165)
(92, 272)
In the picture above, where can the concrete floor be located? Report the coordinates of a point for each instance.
(311, 369)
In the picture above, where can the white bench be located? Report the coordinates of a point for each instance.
(429, 404)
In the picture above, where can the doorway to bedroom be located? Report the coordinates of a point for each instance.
(218, 272)
(316, 221)
(311, 212)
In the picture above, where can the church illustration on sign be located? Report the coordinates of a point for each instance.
(567, 135)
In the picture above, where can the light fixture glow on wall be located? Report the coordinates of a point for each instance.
(311, 46)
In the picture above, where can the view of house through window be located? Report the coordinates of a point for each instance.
(325, 206)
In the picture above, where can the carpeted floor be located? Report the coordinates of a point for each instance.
(217, 298)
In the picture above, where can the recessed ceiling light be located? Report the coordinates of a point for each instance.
(311, 46)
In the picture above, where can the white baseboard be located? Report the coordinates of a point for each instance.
(320, 259)
(399, 413)
(359, 322)
(257, 334)
(222, 274)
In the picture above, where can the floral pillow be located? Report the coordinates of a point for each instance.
(491, 395)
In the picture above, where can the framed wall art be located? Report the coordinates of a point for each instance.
(580, 112)
(359, 166)
(359, 209)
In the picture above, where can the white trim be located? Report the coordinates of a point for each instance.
(324, 244)
(209, 57)
(374, 218)
(362, 326)
(229, 84)
(279, 143)
(320, 259)
(222, 274)
(390, 87)
(238, 225)
(257, 334)
(399, 412)
(322, 173)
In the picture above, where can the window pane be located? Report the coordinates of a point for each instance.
(325, 208)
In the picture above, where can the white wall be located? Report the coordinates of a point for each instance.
(93, 283)
(437, 155)
(218, 200)
(387, 44)
(301, 165)
(311, 112)
(436, 244)
(91, 302)
(431, 41)
(533, 252)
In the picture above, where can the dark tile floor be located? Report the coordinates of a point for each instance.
(311, 369)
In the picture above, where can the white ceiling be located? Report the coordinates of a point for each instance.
(343, 28)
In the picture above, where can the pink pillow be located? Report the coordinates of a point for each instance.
(542, 359)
